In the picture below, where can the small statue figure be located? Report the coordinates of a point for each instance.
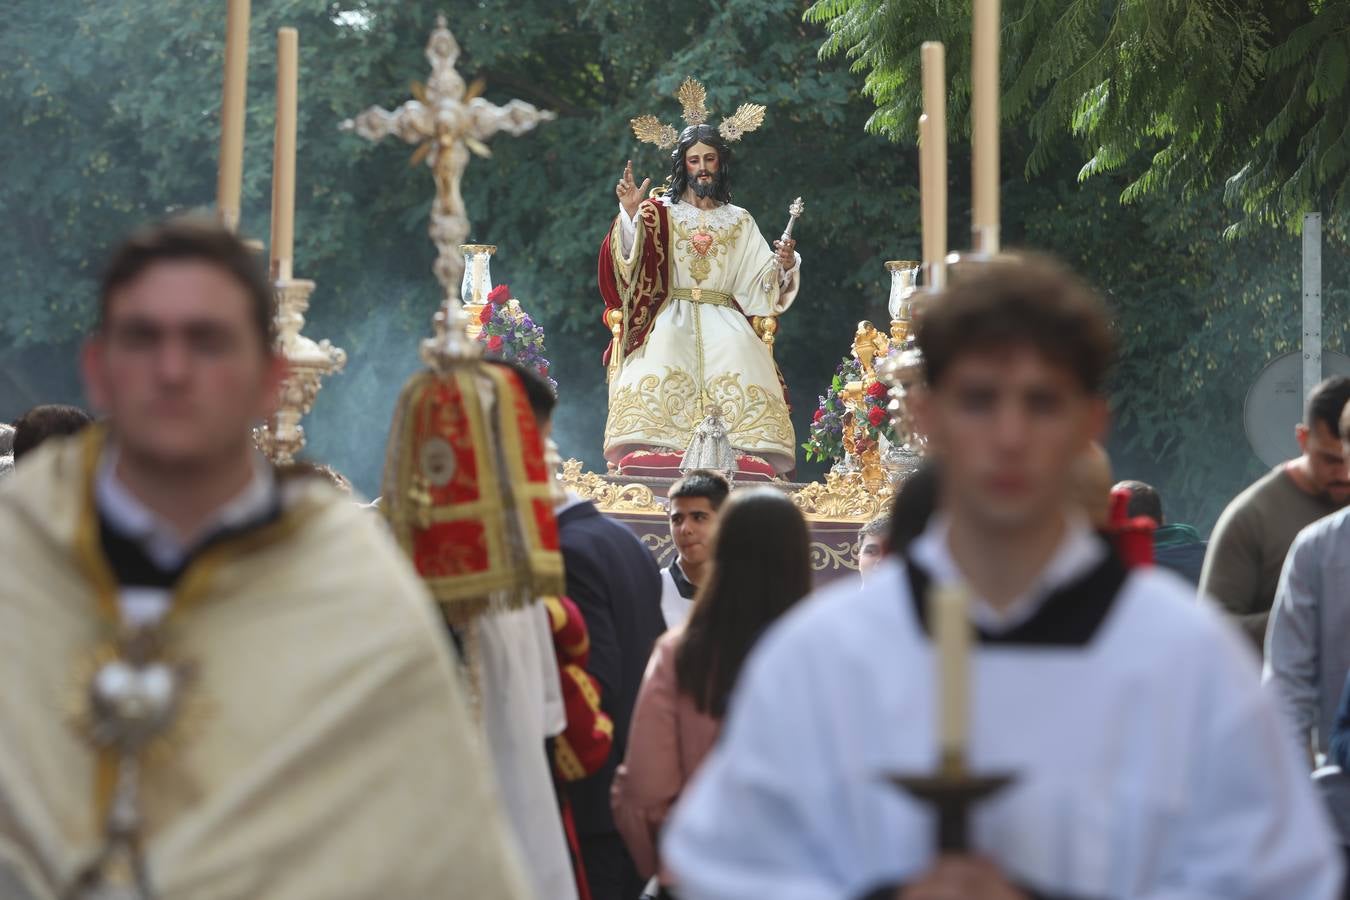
(710, 447)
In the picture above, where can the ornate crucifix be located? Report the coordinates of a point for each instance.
(448, 121)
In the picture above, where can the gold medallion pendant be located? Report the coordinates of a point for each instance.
(133, 698)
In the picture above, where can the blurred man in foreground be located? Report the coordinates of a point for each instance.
(263, 705)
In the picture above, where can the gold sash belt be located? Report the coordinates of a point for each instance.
(703, 295)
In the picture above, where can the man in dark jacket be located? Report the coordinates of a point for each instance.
(1177, 547)
(615, 582)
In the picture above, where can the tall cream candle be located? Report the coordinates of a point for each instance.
(949, 623)
(984, 105)
(283, 160)
(927, 224)
(933, 55)
(230, 175)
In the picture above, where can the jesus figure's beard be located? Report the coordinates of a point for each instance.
(705, 189)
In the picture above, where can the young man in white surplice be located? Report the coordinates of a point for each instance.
(1147, 762)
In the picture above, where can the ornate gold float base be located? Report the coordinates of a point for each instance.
(834, 509)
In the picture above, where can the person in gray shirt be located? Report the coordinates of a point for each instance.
(1308, 642)
(1250, 540)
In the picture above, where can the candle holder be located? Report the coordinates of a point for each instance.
(282, 436)
(904, 282)
(953, 791)
(477, 284)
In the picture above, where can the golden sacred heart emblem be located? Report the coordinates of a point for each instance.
(702, 242)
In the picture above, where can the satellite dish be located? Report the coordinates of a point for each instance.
(1274, 404)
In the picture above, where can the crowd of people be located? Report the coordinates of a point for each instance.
(716, 728)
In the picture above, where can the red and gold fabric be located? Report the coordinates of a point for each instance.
(466, 489)
(639, 293)
(583, 748)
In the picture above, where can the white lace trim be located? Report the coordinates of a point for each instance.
(724, 217)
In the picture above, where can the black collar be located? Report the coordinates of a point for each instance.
(1069, 617)
(133, 567)
(682, 584)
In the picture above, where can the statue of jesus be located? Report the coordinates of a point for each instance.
(682, 272)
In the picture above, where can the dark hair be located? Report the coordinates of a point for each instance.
(1325, 403)
(881, 525)
(1030, 301)
(914, 504)
(538, 391)
(198, 239)
(679, 177)
(702, 483)
(42, 422)
(1144, 500)
(761, 567)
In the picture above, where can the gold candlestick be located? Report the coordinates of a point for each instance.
(229, 176)
(282, 437)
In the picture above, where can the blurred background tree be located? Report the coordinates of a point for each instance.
(113, 113)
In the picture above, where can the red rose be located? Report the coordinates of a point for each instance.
(820, 414)
(499, 295)
(485, 314)
(876, 389)
(495, 342)
(876, 415)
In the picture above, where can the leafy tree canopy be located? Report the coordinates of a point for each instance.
(1178, 96)
(113, 114)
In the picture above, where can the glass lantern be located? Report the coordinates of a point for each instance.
(904, 282)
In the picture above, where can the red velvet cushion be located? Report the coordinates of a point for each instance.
(650, 464)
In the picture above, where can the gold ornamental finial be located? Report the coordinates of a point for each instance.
(693, 97)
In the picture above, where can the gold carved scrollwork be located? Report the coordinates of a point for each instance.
(606, 495)
(841, 498)
(661, 545)
(841, 555)
(666, 410)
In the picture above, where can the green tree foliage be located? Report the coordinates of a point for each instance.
(116, 117)
(112, 113)
(1178, 96)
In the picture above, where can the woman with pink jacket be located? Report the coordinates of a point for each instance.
(761, 567)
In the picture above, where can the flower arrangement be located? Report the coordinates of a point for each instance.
(826, 440)
(508, 332)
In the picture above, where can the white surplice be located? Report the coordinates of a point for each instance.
(656, 398)
(1148, 763)
(522, 706)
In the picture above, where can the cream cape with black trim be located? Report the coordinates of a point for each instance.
(334, 755)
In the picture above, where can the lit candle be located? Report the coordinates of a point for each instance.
(229, 178)
(984, 87)
(933, 55)
(283, 159)
(949, 622)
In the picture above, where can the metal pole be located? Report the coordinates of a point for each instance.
(1312, 301)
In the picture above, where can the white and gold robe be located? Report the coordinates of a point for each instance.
(325, 749)
(699, 352)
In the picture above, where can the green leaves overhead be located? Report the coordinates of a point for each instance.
(1177, 96)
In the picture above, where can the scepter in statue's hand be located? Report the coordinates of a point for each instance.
(786, 246)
